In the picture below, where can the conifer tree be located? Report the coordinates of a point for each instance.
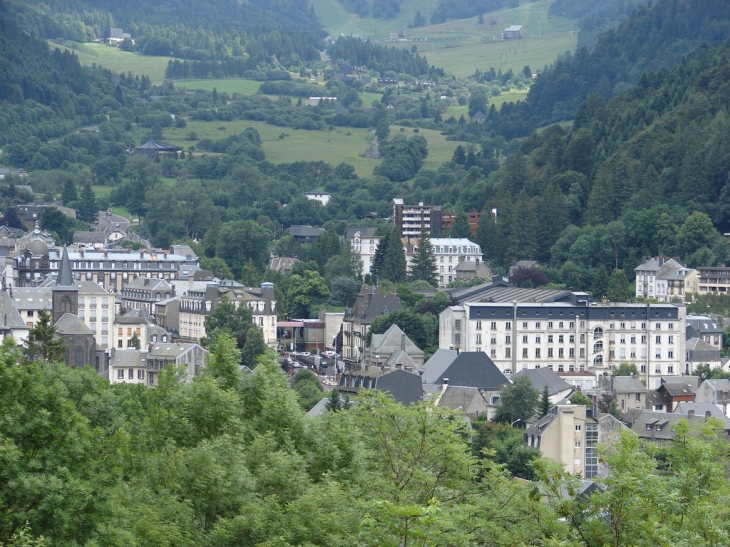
(544, 402)
(460, 228)
(394, 261)
(423, 265)
(88, 211)
(40, 343)
(134, 341)
(254, 347)
(69, 193)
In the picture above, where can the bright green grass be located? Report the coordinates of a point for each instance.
(461, 46)
(229, 85)
(117, 60)
(342, 145)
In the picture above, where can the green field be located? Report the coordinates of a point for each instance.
(117, 60)
(342, 145)
(461, 46)
(229, 85)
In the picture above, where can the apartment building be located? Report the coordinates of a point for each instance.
(664, 279)
(570, 337)
(713, 279)
(449, 253)
(410, 219)
(364, 242)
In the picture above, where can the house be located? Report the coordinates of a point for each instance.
(558, 389)
(372, 153)
(364, 242)
(322, 197)
(388, 82)
(478, 116)
(189, 358)
(410, 219)
(114, 35)
(155, 149)
(339, 109)
(658, 427)
(94, 240)
(433, 369)
(627, 391)
(167, 314)
(571, 435)
(449, 252)
(466, 270)
(126, 327)
(713, 279)
(565, 331)
(401, 384)
(11, 321)
(448, 217)
(472, 401)
(472, 369)
(30, 214)
(716, 392)
(394, 340)
(282, 264)
(128, 366)
(305, 234)
(512, 32)
(699, 352)
(671, 392)
(705, 328)
(706, 410)
(664, 279)
(370, 304)
(5, 172)
(584, 382)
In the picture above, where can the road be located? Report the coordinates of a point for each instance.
(110, 223)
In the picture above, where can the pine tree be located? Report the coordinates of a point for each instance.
(134, 341)
(334, 404)
(423, 265)
(88, 210)
(394, 262)
(40, 343)
(380, 252)
(460, 228)
(544, 406)
(69, 193)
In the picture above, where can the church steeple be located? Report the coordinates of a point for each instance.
(65, 293)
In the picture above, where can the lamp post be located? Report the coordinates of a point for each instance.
(513, 423)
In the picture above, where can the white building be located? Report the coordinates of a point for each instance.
(322, 197)
(128, 367)
(571, 337)
(664, 279)
(449, 252)
(364, 242)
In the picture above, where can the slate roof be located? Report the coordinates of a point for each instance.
(9, 315)
(370, 304)
(500, 290)
(541, 377)
(703, 324)
(400, 358)
(33, 298)
(149, 284)
(129, 358)
(152, 146)
(364, 232)
(657, 425)
(680, 387)
(470, 400)
(436, 365)
(701, 410)
(91, 287)
(479, 116)
(473, 369)
(65, 276)
(89, 237)
(391, 340)
(184, 250)
(405, 387)
(320, 408)
(70, 324)
(623, 384)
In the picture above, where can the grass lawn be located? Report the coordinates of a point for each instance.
(229, 85)
(461, 46)
(342, 145)
(117, 60)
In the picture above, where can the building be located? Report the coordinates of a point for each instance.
(156, 149)
(364, 242)
(322, 197)
(570, 434)
(401, 384)
(90, 240)
(705, 328)
(11, 321)
(115, 35)
(448, 217)
(466, 270)
(189, 358)
(573, 336)
(128, 367)
(716, 392)
(126, 327)
(370, 304)
(410, 219)
(383, 346)
(713, 279)
(664, 279)
(449, 253)
(558, 389)
(305, 234)
(144, 292)
(658, 427)
(627, 391)
(671, 392)
(699, 352)
(30, 214)
(112, 269)
(512, 32)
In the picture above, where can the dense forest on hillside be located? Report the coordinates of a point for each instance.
(380, 58)
(377, 9)
(461, 9)
(654, 37)
(257, 31)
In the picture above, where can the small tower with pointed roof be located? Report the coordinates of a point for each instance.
(65, 293)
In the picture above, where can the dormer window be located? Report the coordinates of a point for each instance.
(154, 338)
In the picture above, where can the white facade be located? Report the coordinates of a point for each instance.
(570, 338)
(664, 279)
(449, 252)
(365, 245)
(322, 197)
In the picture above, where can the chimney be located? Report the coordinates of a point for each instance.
(708, 414)
(690, 413)
(403, 342)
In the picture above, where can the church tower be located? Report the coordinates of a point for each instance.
(65, 293)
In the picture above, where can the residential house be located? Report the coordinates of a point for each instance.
(410, 219)
(156, 149)
(558, 389)
(5, 172)
(383, 346)
(699, 352)
(125, 327)
(432, 369)
(664, 279)
(584, 382)
(706, 410)
(190, 358)
(316, 195)
(659, 427)
(478, 116)
(128, 367)
(11, 321)
(574, 335)
(716, 392)
(705, 328)
(167, 313)
(466, 270)
(671, 392)
(90, 240)
(364, 242)
(449, 252)
(144, 292)
(30, 214)
(512, 32)
(370, 304)
(282, 264)
(401, 384)
(305, 234)
(571, 435)
(627, 391)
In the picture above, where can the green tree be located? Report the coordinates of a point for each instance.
(544, 406)
(250, 276)
(254, 347)
(411, 323)
(306, 293)
(223, 360)
(236, 320)
(696, 232)
(619, 289)
(242, 240)
(579, 398)
(423, 263)
(600, 282)
(41, 342)
(460, 228)
(334, 404)
(517, 401)
(308, 389)
(394, 261)
(134, 341)
(69, 194)
(626, 369)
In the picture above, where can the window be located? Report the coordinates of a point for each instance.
(623, 325)
(642, 369)
(643, 326)
(571, 352)
(508, 339)
(643, 338)
(658, 339)
(670, 368)
(571, 339)
(550, 338)
(129, 331)
(560, 352)
(30, 313)
(598, 346)
(577, 427)
(507, 352)
(622, 340)
(582, 352)
(582, 325)
(657, 369)
(508, 325)
(582, 338)
(478, 339)
(140, 374)
(479, 325)
(130, 375)
(560, 367)
(457, 324)
(524, 352)
(524, 324)
(560, 324)
(537, 339)
(493, 325)
(120, 343)
(560, 339)
(493, 352)
(493, 340)
(633, 339)
(658, 326)
(632, 354)
(671, 339)
(633, 324)
(571, 367)
(537, 325)
(120, 374)
(611, 353)
(577, 444)
(524, 339)
(671, 326)
(612, 325)
(457, 338)
(670, 354)
(550, 324)
(550, 352)
(537, 353)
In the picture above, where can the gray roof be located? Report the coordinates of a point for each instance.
(702, 410)
(33, 298)
(392, 340)
(169, 350)
(89, 237)
(473, 369)
(128, 358)
(9, 315)
(400, 358)
(370, 304)
(436, 365)
(305, 231)
(184, 250)
(91, 287)
(656, 425)
(541, 377)
(320, 408)
(149, 283)
(364, 232)
(623, 384)
(680, 387)
(70, 324)
(65, 276)
(501, 291)
(472, 401)
(703, 324)
(698, 344)
(405, 387)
